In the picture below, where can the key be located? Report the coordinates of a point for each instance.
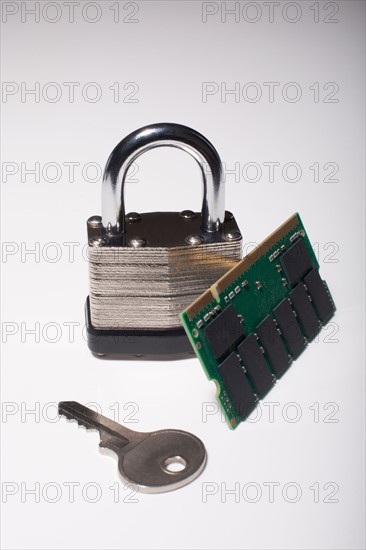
(154, 462)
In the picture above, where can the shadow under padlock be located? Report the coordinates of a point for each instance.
(145, 268)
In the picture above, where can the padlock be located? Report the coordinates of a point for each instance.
(145, 268)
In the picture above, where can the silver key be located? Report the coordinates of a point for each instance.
(148, 460)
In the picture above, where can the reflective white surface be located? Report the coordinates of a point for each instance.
(169, 54)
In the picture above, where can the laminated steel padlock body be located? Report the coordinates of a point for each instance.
(145, 268)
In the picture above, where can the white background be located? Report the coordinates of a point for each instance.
(169, 53)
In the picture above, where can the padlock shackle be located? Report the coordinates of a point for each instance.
(162, 135)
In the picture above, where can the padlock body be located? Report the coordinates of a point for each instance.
(157, 269)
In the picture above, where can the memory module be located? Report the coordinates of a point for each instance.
(256, 319)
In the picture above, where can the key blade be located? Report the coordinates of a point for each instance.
(108, 429)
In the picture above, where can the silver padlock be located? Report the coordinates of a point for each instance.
(145, 268)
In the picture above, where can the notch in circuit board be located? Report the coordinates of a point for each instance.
(248, 327)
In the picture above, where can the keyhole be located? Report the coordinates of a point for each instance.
(174, 464)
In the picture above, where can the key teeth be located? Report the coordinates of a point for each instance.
(80, 423)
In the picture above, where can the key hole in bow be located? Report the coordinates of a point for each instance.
(174, 464)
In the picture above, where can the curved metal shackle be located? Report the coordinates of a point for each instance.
(162, 135)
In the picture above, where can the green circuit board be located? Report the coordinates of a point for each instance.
(249, 326)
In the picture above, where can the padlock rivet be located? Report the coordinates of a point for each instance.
(194, 239)
(137, 242)
(233, 235)
(97, 241)
(95, 221)
(187, 214)
(133, 217)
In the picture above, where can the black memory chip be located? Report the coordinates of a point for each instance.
(273, 344)
(255, 364)
(296, 262)
(237, 385)
(224, 332)
(289, 327)
(319, 295)
(305, 311)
